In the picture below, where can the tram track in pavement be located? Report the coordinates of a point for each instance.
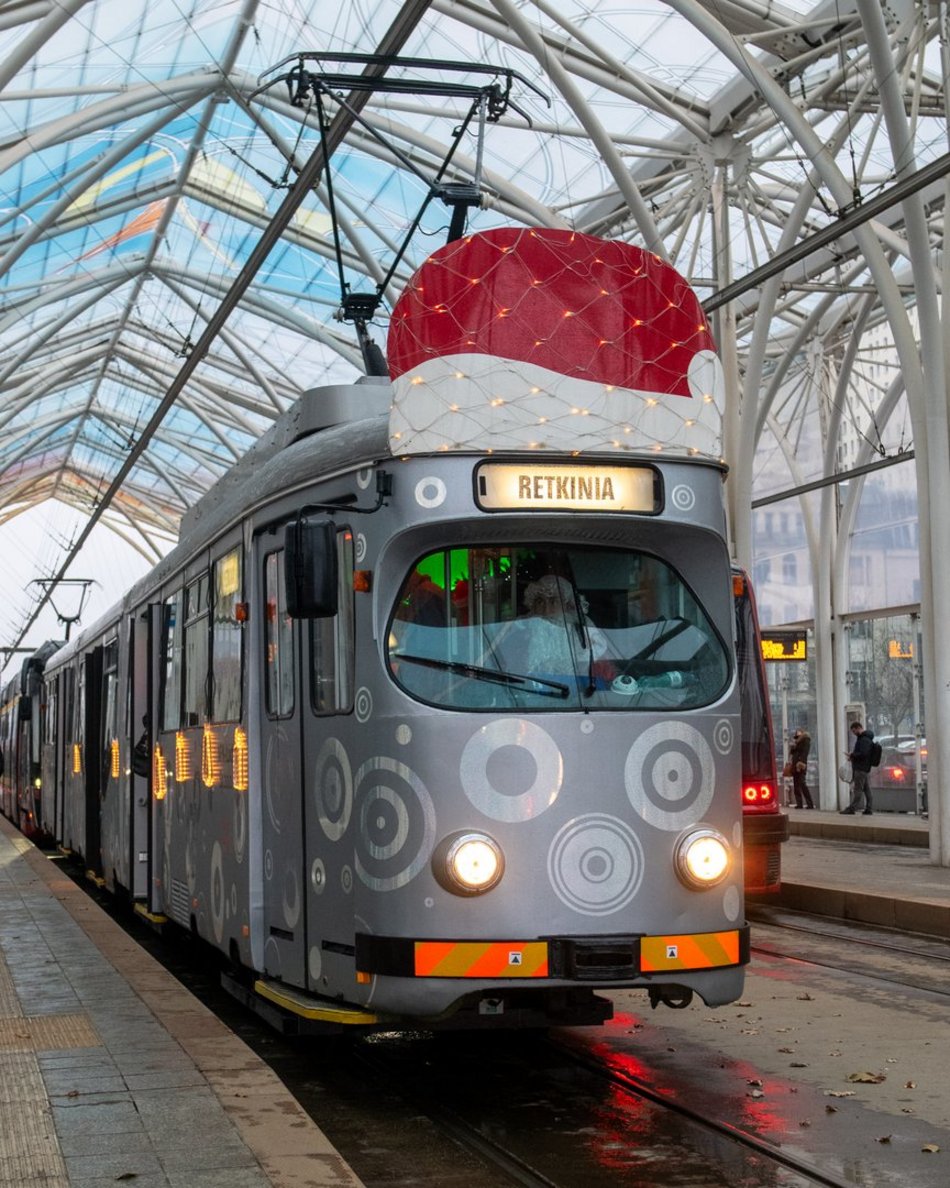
(912, 960)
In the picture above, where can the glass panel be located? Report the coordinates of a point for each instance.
(332, 642)
(171, 651)
(547, 629)
(226, 644)
(278, 639)
(195, 700)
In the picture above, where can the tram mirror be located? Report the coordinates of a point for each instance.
(310, 569)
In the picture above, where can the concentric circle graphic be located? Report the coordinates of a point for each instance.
(239, 826)
(596, 864)
(723, 736)
(290, 899)
(731, 903)
(360, 548)
(683, 498)
(670, 775)
(363, 705)
(333, 789)
(430, 492)
(364, 476)
(275, 775)
(396, 824)
(318, 876)
(511, 770)
(217, 892)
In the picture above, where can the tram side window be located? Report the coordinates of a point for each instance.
(332, 642)
(195, 684)
(226, 639)
(172, 655)
(278, 639)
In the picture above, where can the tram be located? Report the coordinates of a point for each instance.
(433, 714)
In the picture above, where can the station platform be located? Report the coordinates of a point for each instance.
(110, 1071)
(874, 870)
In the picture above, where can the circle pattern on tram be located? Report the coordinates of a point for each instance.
(396, 824)
(723, 736)
(670, 775)
(217, 892)
(511, 770)
(430, 492)
(333, 789)
(363, 705)
(595, 864)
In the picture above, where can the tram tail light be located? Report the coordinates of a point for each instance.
(758, 795)
(702, 858)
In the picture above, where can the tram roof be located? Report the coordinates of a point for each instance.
(141, 163)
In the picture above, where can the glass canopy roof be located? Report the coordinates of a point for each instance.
(145, 148)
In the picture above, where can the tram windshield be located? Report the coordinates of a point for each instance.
(545, 628)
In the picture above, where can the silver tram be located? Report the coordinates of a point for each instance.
(429, 723)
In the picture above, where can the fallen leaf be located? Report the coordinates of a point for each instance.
(796, 1064)
(745, 1004)
(754, 1081)
(930, 1148)
(73, 1093)
(805, 1122)
(830, 1109)
(785, 1049)
(867, 1078)
(885, 1138)
(756, 1093)
(910, 1084)
(839, 1093)
(806, 997)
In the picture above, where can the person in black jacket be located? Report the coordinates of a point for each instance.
(798, 758)
(860, 756)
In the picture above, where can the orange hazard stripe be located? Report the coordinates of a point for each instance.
(701, 950)
(481, 959)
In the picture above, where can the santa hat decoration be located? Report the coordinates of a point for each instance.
(551, 340)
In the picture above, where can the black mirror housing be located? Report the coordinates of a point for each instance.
(311, 568)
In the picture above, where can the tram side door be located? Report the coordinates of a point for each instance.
(282, 717)
(145, 631)
(93, 766)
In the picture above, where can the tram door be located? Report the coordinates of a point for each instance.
(144, 631)
(283, 716)
(94, 761)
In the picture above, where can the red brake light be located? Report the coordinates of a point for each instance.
(758, 794)
(897, 774)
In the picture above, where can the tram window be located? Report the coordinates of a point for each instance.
(226, 639)
(172, 656)
(195, 682)
(110, 677)
(278, 639)
(332, 643)
(550, 628)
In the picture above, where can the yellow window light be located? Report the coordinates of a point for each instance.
(114, 758)
(239, 760)
(159, 774)
(183, 769)
(210, 762)
(77, 758)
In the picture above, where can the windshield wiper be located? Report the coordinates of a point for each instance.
(513, 680)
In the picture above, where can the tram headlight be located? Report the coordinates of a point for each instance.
(703, 858)
(468, 863)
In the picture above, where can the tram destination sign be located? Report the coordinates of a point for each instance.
(543, 486)
(784, 645)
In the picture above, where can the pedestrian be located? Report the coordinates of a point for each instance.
(798, 758)
(860, 756)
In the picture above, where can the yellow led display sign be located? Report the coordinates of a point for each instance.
(784, 645)
(539, 486)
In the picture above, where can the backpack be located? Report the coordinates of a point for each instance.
(875, 754)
